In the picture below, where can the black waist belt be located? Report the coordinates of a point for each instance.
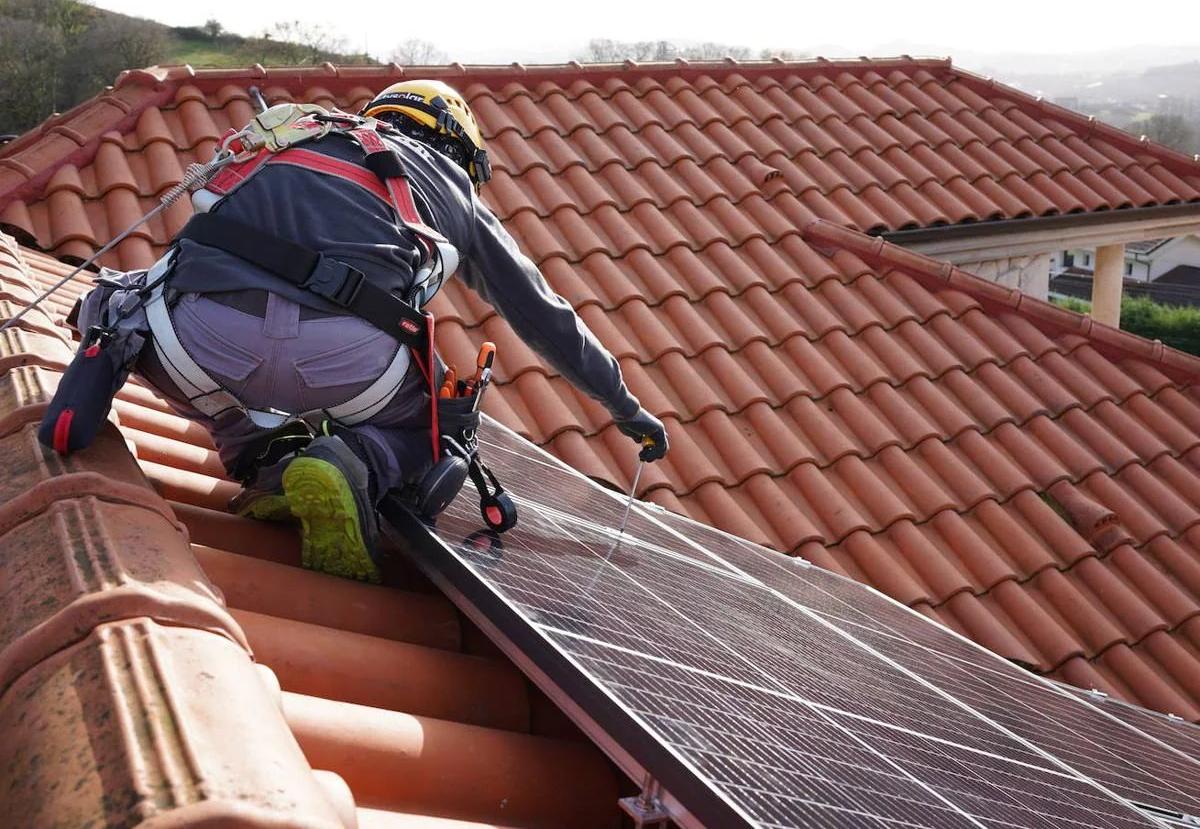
(342, 284)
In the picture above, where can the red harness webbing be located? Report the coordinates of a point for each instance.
(320, 163)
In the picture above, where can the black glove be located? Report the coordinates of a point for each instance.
(649, 431)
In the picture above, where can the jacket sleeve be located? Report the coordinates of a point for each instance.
(494, 267)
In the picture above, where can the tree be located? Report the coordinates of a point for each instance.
(213, 28)
(1170, 129)
(30, 54)
(66, 17)
(417, 52)
(603, 50)
(782, 54)
(716, 51)
(295, 44)
(107, 47)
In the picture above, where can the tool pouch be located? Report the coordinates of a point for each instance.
(114, 332)
(458, 422)
(85, 393)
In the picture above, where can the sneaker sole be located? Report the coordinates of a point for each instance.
(322, 500)
(267, 508)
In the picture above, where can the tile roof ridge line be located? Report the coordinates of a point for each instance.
(184, 72)
(129, 111)
(1089, 125)
(943, 274)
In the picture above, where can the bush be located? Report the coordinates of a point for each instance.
(1176, 326)
(1079, 306)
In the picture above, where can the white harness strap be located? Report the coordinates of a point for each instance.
(213, 399)
(372, 400)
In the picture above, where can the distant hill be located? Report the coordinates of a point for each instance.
(291, 44)
(57, 53)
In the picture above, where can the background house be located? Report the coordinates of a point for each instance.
(1166, 271)
(1145, 261)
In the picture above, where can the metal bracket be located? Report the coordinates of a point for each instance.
(646, 809)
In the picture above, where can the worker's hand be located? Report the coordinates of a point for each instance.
(647, 430)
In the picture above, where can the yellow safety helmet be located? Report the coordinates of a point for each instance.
(448, 123)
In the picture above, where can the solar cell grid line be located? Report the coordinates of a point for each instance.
(1029, 797)
(1180, 734)
(1130, 762)
(761, 740)
(838, 686)
(632, 619)
(982, 784)
(1163, 775)
(641, 658)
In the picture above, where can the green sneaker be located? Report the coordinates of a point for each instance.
(264, 498)
(327, 487)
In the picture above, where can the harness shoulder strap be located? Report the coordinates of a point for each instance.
(441, 258)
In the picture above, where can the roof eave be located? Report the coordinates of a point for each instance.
(982, 241)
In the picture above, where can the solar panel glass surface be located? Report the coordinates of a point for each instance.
(763, 693)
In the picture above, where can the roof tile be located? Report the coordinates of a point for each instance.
(1018, 472)
(93, 714)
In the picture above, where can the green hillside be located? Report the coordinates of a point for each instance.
(287, 44)
(56, 53)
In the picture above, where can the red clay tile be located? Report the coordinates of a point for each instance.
(268, 587)
(369, 670)
(121, 716)
(397, 761)
(827, 393)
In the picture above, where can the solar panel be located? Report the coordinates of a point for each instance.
(1142, 755)
(759, 692)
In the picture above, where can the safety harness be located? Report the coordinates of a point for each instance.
(273, 138)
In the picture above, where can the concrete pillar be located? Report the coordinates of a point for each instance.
(1106, 284)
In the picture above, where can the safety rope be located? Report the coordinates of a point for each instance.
(195, 176)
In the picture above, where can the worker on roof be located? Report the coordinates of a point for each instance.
(288, 320)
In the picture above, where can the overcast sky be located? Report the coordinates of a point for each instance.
(533, 30)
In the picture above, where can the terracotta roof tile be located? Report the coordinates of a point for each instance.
(1021, 473)
(108, 607)
(876, 145)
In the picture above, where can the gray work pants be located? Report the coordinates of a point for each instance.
(285, 360)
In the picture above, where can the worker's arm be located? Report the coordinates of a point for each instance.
(495, 268)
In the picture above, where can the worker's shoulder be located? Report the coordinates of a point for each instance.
(427, 161)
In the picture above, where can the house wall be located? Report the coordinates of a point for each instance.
(1029, 273)
(1182, 251)
(1137, 268)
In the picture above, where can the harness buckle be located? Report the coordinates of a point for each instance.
(335, 280)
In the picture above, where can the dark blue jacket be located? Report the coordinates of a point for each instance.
(342, 220)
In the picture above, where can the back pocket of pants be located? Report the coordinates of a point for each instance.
(349, 364)
(197, 322)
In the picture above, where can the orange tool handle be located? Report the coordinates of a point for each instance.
(449, 386)
(487, 355)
